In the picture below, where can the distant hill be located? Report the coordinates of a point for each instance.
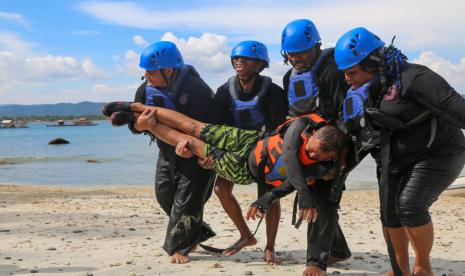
(43, 110)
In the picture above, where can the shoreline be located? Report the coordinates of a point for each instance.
(119, 231)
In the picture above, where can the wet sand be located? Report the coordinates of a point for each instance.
(119, 231)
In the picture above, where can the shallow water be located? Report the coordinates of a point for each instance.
(117, 157)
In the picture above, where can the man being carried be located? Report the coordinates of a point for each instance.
(305, 146)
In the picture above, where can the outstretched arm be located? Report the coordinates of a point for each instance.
(186, 145)
(171, 118)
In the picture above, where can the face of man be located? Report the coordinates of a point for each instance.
(357, 77)
(302, 60)
(155, 77)
(314, 151)
(246, 68)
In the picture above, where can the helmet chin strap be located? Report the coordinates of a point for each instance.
(168, 82)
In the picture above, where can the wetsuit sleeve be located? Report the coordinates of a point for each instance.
(139, 97)
(264, 202)
(275, 107)
(333, 85)
(433, 92)
(283, 190)
(201, 99)
(294, 169)
(286, 81)
(221, 106)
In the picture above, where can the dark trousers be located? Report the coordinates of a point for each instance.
(325, 236)
(182, 188)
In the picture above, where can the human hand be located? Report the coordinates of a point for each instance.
(254, 213)
(308, 214)
(329, 175)
(146, 120)
(208, 163)
(182, 149)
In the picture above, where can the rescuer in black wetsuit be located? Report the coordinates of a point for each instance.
(181, 185)
(409, 118)
(314, 84)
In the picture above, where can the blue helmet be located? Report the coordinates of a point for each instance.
(251, 49)
(299, 35)
(161, 55)
(355, 45)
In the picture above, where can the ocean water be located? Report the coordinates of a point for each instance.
(122, 158)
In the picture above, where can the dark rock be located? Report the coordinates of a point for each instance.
(92, 161)
(34, 271)
(4, 230)
(58, 141)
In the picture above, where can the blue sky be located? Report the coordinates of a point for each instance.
(70, 51)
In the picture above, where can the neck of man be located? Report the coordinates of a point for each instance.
(247, 85)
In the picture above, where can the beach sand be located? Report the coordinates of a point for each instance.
(119, 231)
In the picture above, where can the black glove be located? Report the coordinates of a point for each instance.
(305, 199)
(264, 202)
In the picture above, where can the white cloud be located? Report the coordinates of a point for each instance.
(209, 52)
(453, 73)
(16, 18)
(27, 76)
(140, 41)
(253, 20)
(11, 42)
(20, 62)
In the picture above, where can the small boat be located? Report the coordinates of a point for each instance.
(13, 124)
(77, 122)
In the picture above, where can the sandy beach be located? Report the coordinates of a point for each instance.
(119, 231)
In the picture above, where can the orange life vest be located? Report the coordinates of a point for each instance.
(268, 152)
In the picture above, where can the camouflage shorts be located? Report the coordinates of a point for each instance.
(231, 147)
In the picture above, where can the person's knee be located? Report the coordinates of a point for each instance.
(413, 217)
(223, 188)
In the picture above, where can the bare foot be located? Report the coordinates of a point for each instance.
(314, 271)
(389, 273)
(179, 259)
(239, 245)
(271, 258)
(332, 260)
(421, 272)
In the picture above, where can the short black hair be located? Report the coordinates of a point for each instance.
(331, 138)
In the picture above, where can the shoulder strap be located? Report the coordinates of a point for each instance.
(266, 83)
(232, 88)
(265, 86)
(313, 118)
(325, 53)
(185, 70)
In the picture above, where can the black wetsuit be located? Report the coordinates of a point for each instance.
(181, 186)
(273, 107)
(325, 236)
(419, 172)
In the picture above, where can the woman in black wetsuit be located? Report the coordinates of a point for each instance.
(410, 119)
